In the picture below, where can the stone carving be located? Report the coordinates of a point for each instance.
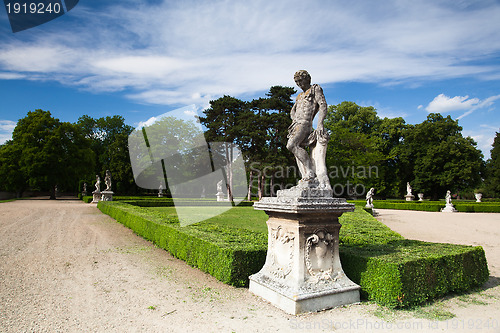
(309, 103)
(449, 208)
(98, 183)
(107, 180)
(107, 194)
(478, 196)
(220, 194)
(303, 272)
(409, 196)
(84, 192)
(369, 198)
(282, 252)
(97, 193)
(420, 197)
(319, 256)
(160, 191)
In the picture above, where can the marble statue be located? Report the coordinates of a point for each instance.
(97, 183)
(107, 180)
(302, 272)
(369, 198)
(409, 196)
(84, 187)
(309, 103)
(448, 197)
(449, 208)
(160, 191)
(408, 189)
(219, 186)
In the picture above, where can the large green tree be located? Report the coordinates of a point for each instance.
(492, 181)
(109, 141)
(53, 153)
(12, 179)
(436, 157)
(353, 154)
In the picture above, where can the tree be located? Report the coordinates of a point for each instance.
(12, 178)
(436, 157)
(353, 153)
(109, 141)
(225, 121)
(268, 132)
(52, 152)
(492, 181)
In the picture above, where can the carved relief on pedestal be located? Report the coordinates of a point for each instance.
(318, 256)
(282, 252)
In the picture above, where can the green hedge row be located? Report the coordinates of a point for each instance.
(391, 271)
(228, 256)
(436, 206)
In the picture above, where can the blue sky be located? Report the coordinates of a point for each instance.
(140, 59)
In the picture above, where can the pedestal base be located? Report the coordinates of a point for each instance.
(220, 196)
(300, 302)
(409, 197)
(96, 196)
(107, 195)
(160, 195)
(303, 272)
(449, 208)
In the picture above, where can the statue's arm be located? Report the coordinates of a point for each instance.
(322, 107)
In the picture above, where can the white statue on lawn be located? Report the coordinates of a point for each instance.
(369, 198)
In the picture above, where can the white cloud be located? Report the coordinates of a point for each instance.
(6, 128)
(190, 51)
(444, 104)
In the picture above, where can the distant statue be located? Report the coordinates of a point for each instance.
(369, 198)
(107, 180)
(448, 198)
(85, 188)
(160, 191)
(408, 189)
(219, 186)
(97, 183)
(309, 103)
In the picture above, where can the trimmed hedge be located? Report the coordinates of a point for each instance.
(391, 271)
(436, 206)
(405, 273)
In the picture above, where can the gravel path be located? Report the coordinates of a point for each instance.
(65, 267)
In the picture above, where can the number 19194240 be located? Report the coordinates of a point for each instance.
(33, 8)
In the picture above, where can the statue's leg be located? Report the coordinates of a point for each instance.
(299, 134)
(318, 156)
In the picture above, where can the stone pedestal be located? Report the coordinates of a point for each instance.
(409, 197)
(449, 208)
(303, 272)
(478, 196)
(220, 196)
(107, 195)
(96, 196)
(160, 194)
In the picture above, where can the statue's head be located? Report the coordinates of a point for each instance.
(302, 78)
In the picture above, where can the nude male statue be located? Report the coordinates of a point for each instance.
(309, 103)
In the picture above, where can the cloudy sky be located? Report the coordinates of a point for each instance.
(142, 58)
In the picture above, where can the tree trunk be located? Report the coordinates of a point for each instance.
(249, 195)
